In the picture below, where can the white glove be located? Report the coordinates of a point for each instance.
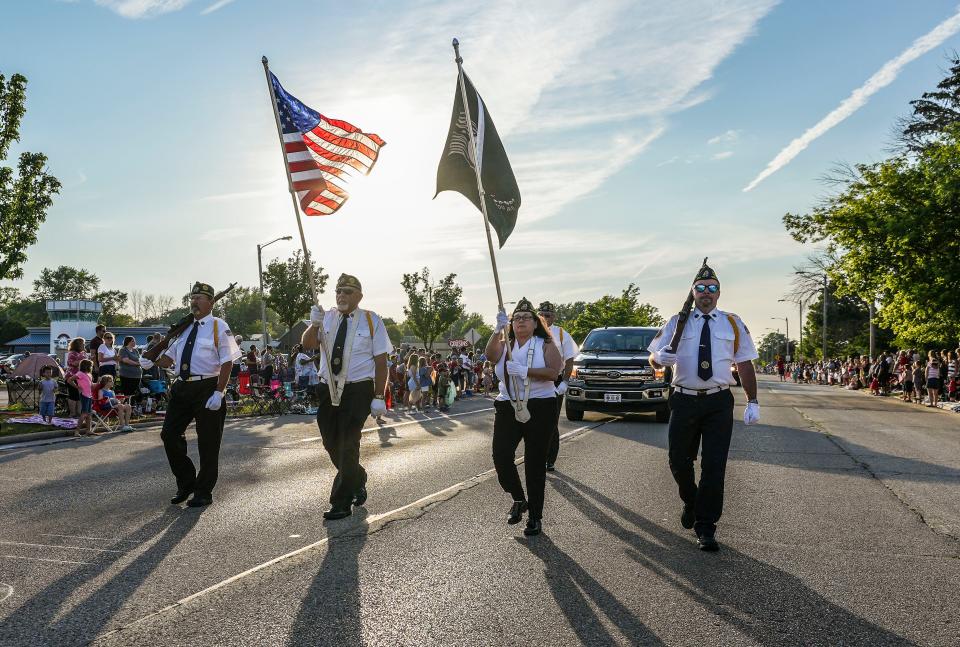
(517, 369)
(145, 364)
(378, 407)
(316, 315)
(562, 388)
(215, 401)
(666, 358)
(502, 321)
(751, 415)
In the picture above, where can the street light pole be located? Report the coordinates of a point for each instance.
(263, 304)
(824, 316)
(786, 320)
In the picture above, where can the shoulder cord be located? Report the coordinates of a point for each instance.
(736, 333)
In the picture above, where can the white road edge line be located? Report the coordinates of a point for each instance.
(368, 430)
(50, 534)
(374, 524)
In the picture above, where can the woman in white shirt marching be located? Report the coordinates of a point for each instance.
(525, 408)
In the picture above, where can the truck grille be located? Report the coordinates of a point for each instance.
(614, 376)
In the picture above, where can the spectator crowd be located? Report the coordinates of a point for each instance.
(929, 379)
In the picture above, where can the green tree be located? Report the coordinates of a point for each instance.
(771, 345)
(624, 310)
(431, 307)
(24, 198)
(241, 309)
(288, 289)
(65, 282)
(459, 328)
(10, 330)
(9, 296)
(567, 312)
(114, 302)
(26, 312)
(895, 228)
(934, 113)
(394, 331)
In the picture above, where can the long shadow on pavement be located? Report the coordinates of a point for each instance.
(570, 584)
(47, 617)
(769, 605)
(330, 611)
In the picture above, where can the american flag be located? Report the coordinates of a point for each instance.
(321, 153)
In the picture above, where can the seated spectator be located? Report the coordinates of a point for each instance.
(107, 401)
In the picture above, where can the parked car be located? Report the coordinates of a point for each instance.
(612, 374)
(11, 362)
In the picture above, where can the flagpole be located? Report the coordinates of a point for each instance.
(307, 266)
(476, 168)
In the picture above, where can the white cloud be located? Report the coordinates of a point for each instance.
(859, 97)
(142, 8)
(722, 155)
(216, 6)
(727, 137)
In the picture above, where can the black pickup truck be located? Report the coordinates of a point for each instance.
(612, 374)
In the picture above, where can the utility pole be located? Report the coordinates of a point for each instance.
(825, 285)
(872, 332)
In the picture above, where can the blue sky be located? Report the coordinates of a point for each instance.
(633, 129)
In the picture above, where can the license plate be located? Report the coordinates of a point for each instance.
(611, 397)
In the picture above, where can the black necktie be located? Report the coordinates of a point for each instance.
(705, 357)
(336, 359)
(188, 351)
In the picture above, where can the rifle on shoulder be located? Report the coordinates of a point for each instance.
(684, 314)
(177, 329)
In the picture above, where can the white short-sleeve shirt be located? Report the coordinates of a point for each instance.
(365, 346)
(565, 344)
(722, 342)
(207, 357)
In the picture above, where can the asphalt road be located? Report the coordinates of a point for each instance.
(842, 526)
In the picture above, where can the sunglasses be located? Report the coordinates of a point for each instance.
(523, 317)
(701, 288)
(346, 291)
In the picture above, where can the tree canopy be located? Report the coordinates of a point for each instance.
(431, 307)
(287, 287)
(26, 195)
(623, 310)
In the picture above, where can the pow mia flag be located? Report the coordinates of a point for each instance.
(457, 170)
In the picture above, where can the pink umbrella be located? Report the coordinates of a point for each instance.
(31, 365)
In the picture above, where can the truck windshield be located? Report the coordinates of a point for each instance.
(620, 341)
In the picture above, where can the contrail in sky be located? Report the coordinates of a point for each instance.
(859, 97)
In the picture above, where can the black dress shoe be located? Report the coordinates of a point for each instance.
(551, 467)
(688, 517)
(534, 526)
(360, 497)
(516, 512)
(336, 513)
(200, 500)
(181, 496)
(708, 544)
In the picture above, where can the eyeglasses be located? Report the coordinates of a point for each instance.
(701, 288)
(346, 291)
(523, 317)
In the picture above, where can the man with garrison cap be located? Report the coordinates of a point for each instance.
(701, 405)
(202, 358)
(353, 378)
(568, 351)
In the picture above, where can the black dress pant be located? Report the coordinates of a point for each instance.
(696, 420)
(188, 404)
(554, 447)
(535, 434)
(340, 429)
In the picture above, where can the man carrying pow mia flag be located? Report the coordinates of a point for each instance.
(203, 356)
(701, 405)
(353, 377)
(568, 351)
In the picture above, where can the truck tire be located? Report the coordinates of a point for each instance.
(663, 415)
(574, 414)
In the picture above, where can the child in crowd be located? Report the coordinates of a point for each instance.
(48, 394)
(109, 401)
(907, 385)
(444, 382)
(917, 374)
(487, 378)
(82, 380)
(933, 378)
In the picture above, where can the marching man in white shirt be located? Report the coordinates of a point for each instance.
(701, 405)
(568, 351)
(353, 378)
(203, 357)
